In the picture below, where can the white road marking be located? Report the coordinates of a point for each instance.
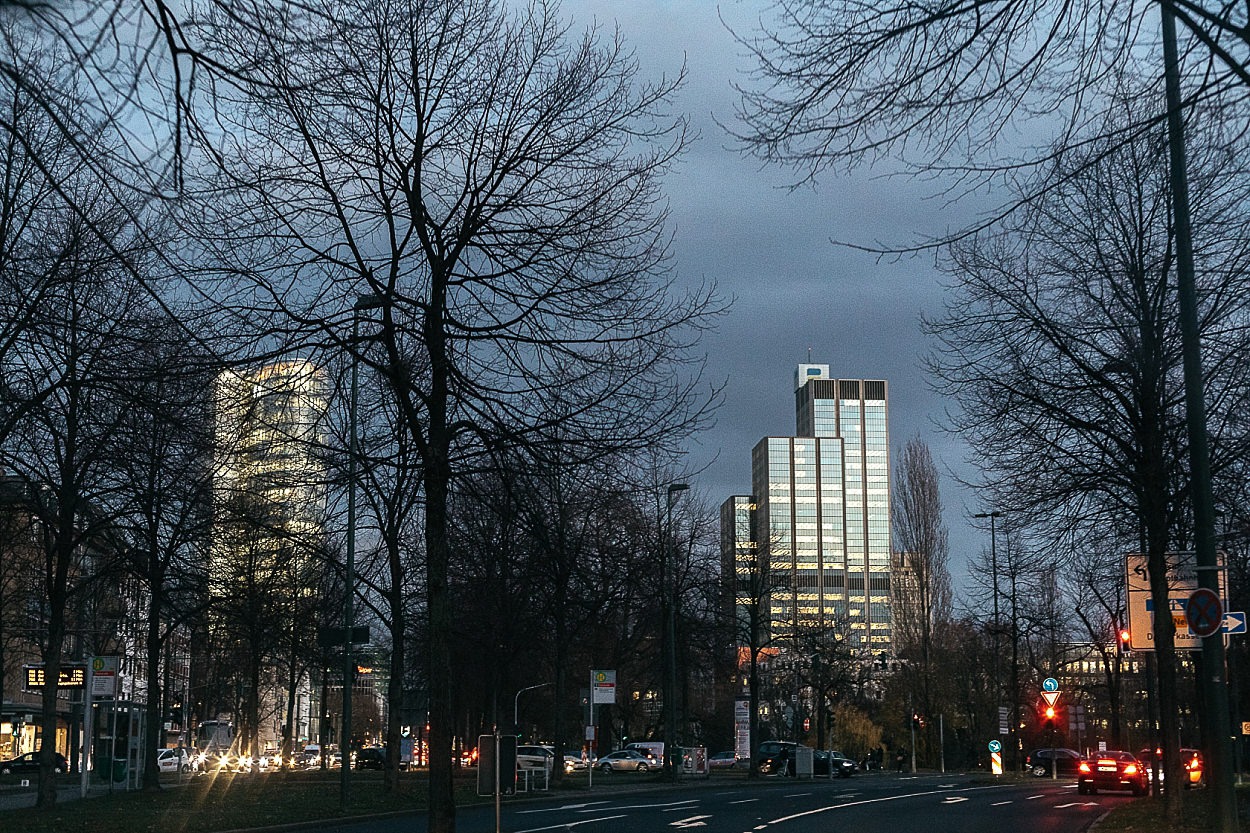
(951, 799)
(693, 821)
(1030, 798)
(744, 801)
(999, 803)
(673, 805)
(860, 803)
(566, 825)
(797, 795)
(562, 807)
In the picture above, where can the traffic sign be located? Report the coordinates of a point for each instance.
(1234, 621)
(1050, 684)
(603, 686)
(1203, 612)
(1050, 697)
(996, 746)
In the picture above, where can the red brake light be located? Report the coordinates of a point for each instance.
(1130, 769)
(1084, 767)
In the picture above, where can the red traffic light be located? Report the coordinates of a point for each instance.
(1050, 712)
(1124, 635)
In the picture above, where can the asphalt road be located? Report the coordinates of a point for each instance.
(862, 804)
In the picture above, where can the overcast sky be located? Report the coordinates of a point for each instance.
(770, 249)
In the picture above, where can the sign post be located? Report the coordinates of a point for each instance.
(602, 690)
(996, 757)
(1203, 612)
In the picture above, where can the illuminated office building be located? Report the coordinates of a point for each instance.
(820, 515)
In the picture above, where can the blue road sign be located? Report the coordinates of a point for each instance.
(995, 746)
(1050, 684)
(1234, 621)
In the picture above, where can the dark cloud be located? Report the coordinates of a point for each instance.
(771, 247)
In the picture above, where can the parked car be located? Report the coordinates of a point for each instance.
(535, 757)
(776, 757)
(722, 760)
(1063, 761)
(371, 757)
(625, 760)
(1112, 771)
(833, 762)
(179, 759)
(574, 762)
(29, 764)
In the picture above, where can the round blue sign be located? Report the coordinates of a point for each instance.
(1050, 684)
(995, 746)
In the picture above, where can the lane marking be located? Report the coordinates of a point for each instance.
(1030, 798)
(671, 805)
(693, 821)
(566, 825)
(951, 799)
(883, 799)
(744, 801)
(999, 803)
(796, 795)
(563, 807)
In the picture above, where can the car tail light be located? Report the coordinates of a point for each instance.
(1084, 767)
(1130, 769)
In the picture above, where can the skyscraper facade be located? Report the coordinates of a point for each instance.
(820, 520)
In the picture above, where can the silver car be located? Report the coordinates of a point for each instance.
(626, 760)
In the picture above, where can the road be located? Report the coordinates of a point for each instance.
(863, 804)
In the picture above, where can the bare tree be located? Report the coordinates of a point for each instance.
(922, 605)
(486, 188)
(953, 86)
(1062, 350)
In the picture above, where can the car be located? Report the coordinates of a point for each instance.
(624, 760)
(833, 762)
(722, 760)
(371, 757)
(574, 762)
(531, 756)
(179, 759)
(652, 750)
(1060, 761)
(1191, 761)
(1112, 770)
(29, 763)
(776, 757)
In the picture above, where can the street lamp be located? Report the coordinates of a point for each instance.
(516, 703)
(668, 579)
(363, 302)
(994, 576)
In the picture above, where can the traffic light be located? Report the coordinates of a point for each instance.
(1125, 642)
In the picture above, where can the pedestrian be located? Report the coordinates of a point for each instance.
(898, 761)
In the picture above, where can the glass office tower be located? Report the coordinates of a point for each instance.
(822, 513)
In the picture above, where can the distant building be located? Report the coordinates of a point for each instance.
(269, 503)
(818, 516)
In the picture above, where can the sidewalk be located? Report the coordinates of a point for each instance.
(15, 798)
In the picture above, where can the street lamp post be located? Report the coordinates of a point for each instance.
(363, 302)
(669, 581)
(994, 580)
(516, 705)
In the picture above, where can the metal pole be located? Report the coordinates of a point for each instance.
(1214, 685)
(668, 578)
(516, 702)
(349, 579)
